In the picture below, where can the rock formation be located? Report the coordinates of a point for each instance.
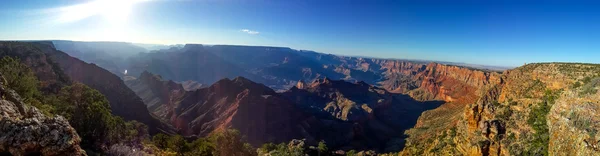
(56, 69)
(533, 110)
(346, 115)
(26, 131)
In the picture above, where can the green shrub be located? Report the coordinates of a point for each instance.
(201, 147)
(453, 132)
(161, 140)
(537, 121)
(230, 142)
(322, 147)
(576, 85)
(19, 78)
(178, 144)
(590, 86)
(282, 150)
(88, 111)
(351, 153)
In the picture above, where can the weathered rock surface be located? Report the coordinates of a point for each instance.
(500, 122)
(25, 131)
(574, 122)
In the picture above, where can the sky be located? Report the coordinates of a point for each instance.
(498, 33)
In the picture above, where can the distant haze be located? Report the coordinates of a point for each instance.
(495, 32)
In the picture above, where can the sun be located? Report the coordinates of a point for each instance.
(113, 11)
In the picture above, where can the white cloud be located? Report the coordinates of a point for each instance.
(251, 32)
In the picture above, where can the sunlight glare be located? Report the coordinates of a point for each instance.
(114, 11)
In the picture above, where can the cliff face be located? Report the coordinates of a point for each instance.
(56, 69)
(27, 131)
(376, 114)
(346, 115)
(254, 109)
(281, 68)
(533, 110)
(158, 95)
(437, 81)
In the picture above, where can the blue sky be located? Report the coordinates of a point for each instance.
(502, 33)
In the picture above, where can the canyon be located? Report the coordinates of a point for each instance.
(275, 94)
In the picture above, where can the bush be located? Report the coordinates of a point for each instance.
(576, 85)
(590, 86)
(282, 149)
(322, 147)
(351, 153)
(228, 142)
(19, 78)
(161, 140)
(86, 109)
(89, 113)
(201, 147)
(231, 143)
(178, 144)
(81, 105)
(537, 121)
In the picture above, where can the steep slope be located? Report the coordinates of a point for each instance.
(46, 70)
(254, 109)
(56, 69)
(345, 115)
(111, 56)
(124, 102)
(156, 93)
(533, 110)
(377, 116)
(26, 131)
(574, 122)
(437, 81)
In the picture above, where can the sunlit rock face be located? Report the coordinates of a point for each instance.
(574, 124)
(537, 109)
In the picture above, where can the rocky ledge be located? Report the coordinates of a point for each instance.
(24, 130)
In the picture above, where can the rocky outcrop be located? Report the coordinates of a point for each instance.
(512, 118)
(26, 131)
(437, 81)
(574, 122)
(190, 85)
